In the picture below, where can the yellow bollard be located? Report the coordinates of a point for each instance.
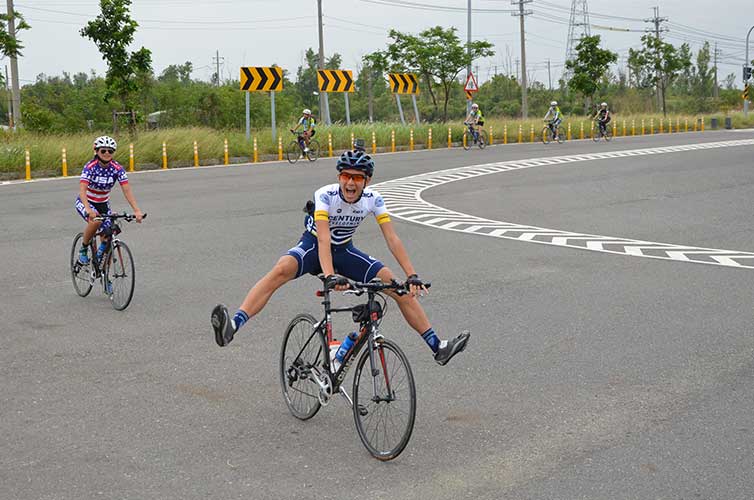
(374, 143)
(686, 124)
(196, 154)
(450, 139)
(661, 127)
(164, 156)
(520, 134)
(642, 126)
(392, 141)
(65, 164)
(624, 128)
(329, 144)
(411, 140)
(651, 126)
(505, 134)
(131, 157)
(531, 134)
(28, 165)
(581, 133)
(429, 138)
(256, 151)
(702, 124)
(569, 131)
(633, 126)
(489, 136)
(591, 128)
(615, 128)
(464, 139)
(280, 148)
(352, 141)
(225, 152)
(677, 124)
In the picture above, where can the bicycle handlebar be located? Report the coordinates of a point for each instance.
(358, 288)
(124, 216)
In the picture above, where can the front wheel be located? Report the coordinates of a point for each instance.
(313, 152)
(546, 135)
(596, 135)
(467, 140)
(120, 275)
(482, 139)
(303, 353)
(384, 400)
(80, 273)
(560, 134)
(608, 133)
(293, 152)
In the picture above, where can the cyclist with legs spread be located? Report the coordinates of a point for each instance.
(602, 116)
(555, 118)
(307, 122)
(327, 247)
(97, 180)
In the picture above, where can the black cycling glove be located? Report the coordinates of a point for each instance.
(414, 280)
(334, 280)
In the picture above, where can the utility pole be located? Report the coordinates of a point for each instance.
(217, 59)
(468, 51)
(14, 68)
(371, 94)
(656, 20)
(324, 107)
(521, 14)
(715, 91)
(10, 99)
(549, 77)
(747, 62)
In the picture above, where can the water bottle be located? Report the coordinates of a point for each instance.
(101, 250)
(346, 346)
(334, 346)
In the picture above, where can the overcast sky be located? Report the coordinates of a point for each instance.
(263, 32)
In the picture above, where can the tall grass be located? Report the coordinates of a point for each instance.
(45, 150)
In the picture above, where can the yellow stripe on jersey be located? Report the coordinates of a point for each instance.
(381, 219)
(321, 215)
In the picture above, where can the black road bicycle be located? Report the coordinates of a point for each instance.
(384, 394)
(602, 131)
(115, 268)
(472, 136)
(549, 133)
(296, 148)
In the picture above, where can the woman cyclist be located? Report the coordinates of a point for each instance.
(327, 247)
(97, 180)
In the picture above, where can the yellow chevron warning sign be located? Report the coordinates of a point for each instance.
(335, 80)
(261, 78)
(745, 95)
(403, 83)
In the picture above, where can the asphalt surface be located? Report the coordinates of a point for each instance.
(588, 375)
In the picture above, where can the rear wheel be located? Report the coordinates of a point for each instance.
(293, 152)
(385, 418)
(120, 275)
(303, 353)
(80, 273)
(313, 152)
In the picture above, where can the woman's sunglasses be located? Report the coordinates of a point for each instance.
(345, 177)
(106, 150)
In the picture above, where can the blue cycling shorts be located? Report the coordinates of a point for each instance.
(348, 260)
(101, 208)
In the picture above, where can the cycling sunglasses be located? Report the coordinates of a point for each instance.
(106, 150)
(345, 177)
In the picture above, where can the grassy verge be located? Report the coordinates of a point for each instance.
(45, 151)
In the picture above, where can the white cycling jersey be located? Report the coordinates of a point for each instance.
(345, 217)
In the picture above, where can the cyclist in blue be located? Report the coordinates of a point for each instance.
(557, 117)
(308, 122)
(98, 177)
(327, 247)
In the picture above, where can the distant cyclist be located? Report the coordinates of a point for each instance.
(98, 177)
(475, 118)
(327, 247)
(602, 116)
(307, 122)
(555, 118)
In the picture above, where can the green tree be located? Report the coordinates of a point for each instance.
(177, 73)
(10, 45)
(658, 63)
(436, 55)
(589, 67)
(112, 32)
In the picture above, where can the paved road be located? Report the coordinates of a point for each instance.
(589, 376)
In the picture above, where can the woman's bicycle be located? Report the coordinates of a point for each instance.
(602, 131)
(384, 394)
(115, 268)
(472, 136)
(549, 133)
(297, 149)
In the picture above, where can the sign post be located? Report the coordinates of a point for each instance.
(404, 83)
(261, 79)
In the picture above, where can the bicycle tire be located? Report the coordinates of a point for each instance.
(560, 135)
(80, 274)
(293, 152)
(598, 135)
(297, 356)
(608, 133)
(482, 143)
(120, 272)
(467, 140)
(546, 135)
(386, 414)
(313, 152)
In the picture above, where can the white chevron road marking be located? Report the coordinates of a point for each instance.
(404, 201)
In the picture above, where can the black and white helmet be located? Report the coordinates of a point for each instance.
(105, 141)
(356, 160)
